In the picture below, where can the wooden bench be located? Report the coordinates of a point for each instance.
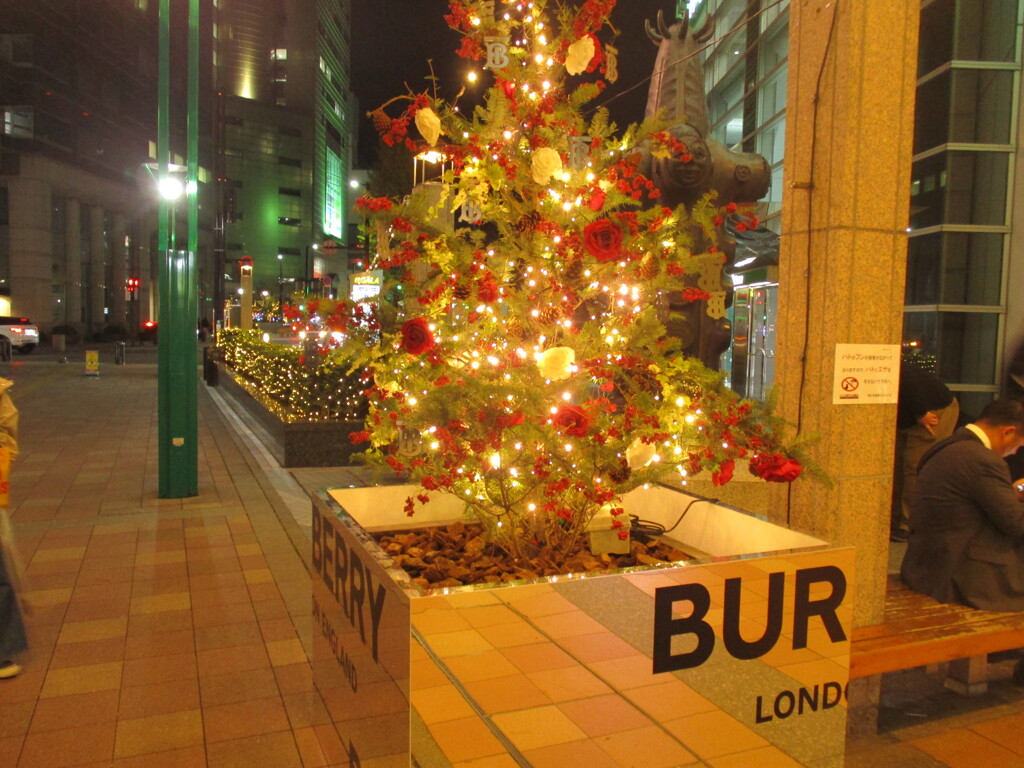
(918, 631)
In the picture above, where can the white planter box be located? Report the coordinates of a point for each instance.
(737, 659)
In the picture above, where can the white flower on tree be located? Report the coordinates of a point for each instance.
(557, 363)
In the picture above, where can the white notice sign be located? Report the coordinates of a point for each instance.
(866, 374)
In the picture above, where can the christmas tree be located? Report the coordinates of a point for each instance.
(519, 357)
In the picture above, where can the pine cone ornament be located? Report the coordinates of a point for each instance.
(574, 270)
(381, 121)
(620, 473)
(647, 269)
(550, 314)
(514, 328)
(646, 381)
(528, 222)
(462, 291)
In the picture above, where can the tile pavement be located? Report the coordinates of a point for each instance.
(176, 632)
(164, 632)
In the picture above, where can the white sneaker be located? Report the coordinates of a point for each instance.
(9, 669)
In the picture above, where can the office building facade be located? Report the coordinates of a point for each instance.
(78, 144)
(962, 317)
(286, 123)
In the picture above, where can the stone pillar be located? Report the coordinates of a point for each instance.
(31, 249)
(849, 136)
(97, 269)
(73, 271)
(118, 252)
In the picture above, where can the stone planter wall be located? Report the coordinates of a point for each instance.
(738, 658)
(297, 444)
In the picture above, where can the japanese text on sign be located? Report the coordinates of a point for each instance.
(866, 374)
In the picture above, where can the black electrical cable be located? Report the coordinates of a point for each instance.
(648, 528)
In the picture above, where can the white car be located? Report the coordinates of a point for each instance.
(23, 335)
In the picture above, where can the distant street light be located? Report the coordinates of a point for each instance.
(280, 286)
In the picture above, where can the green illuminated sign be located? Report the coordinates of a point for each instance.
(334, 196)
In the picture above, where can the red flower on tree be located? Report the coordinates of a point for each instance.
(695, 294)
(372, 204)
(723, 474)
(487, 288)
(470, 49)
(506, 420)
(416, 336)
(572, 420)
(603, 240)
(775, 468)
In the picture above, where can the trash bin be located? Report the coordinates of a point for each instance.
(57, 341)
(118, 353)
(5, 348)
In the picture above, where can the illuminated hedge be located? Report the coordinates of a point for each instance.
(293, 387)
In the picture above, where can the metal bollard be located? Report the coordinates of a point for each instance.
(118, 353)
(5, 349)
(211, 374)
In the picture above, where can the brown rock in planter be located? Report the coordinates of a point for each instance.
(460, 555)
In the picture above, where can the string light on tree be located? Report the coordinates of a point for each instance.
(529, 342)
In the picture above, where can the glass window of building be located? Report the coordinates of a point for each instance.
(961, 192)
(746, 78)
(965, 145)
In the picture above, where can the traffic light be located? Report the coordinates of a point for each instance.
(132, 284)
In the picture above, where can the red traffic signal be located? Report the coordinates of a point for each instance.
(132, 283)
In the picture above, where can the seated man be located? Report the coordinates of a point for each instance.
(926, 413)
(966, 541)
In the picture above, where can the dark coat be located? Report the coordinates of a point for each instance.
(966, 541)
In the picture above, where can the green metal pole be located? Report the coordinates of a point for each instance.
(189, 278)
(177, 360)
(163, 153)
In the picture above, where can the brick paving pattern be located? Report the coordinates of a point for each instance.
(176, 633)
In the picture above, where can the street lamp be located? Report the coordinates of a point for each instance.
(308, 277)
(171, 187)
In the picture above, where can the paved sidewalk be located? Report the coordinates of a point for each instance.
(165, 632)
(176, 633)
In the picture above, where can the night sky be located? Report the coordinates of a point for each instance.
(393, 39)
